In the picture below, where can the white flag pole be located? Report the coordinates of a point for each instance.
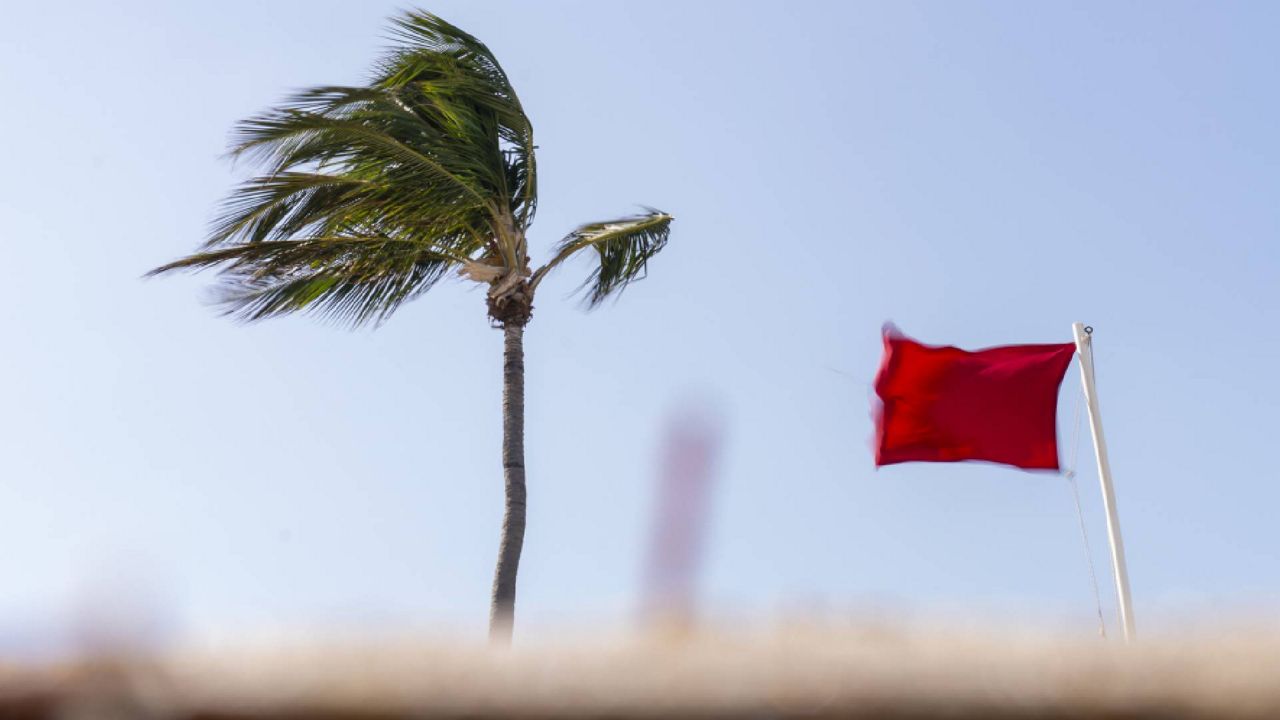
(1084, 349)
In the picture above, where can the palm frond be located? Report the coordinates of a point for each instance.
(435, 61)
(623, 248)
(325, 128)
(349, 279)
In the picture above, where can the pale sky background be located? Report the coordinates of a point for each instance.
(979, 173)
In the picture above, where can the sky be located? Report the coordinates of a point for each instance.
(979, 173)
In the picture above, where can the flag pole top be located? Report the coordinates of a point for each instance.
(1083, 334)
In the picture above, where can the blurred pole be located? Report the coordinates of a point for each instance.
(1084, 348)
(691, 447)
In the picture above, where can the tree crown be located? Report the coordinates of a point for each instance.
(367, 196)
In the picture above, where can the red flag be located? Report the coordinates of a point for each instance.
(944, 404)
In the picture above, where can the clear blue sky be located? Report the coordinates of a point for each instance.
(979, 173)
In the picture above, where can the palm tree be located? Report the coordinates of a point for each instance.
(370, 195)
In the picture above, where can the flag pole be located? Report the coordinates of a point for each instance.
(1084, 348)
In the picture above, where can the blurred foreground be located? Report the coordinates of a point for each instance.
(808, 671)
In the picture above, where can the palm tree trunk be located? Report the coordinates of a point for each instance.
(502, 609)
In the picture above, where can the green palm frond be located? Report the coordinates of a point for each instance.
(368, 195)
(349, 279)
(424, 67)
(623, 248)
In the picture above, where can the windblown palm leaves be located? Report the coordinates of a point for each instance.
(624, 247)
(370, 195)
